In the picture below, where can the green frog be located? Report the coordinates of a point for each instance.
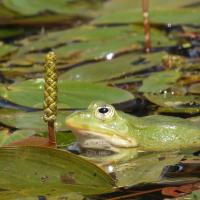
(102, 127)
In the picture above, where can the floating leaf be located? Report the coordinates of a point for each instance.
(113, 68)
(6, 49)
(116, 11)
(7, 138)
(195, 195)
(71, 94)
(31, 120)
(144, 169)
(159, 81)
(36, 171)
(172, 103)
(26, 7)
(6, 33)
(194, 88)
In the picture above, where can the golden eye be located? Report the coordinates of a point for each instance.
(104, 112)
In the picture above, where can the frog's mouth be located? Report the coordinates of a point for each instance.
(101, 140)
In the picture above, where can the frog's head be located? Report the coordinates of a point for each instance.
(101, 127)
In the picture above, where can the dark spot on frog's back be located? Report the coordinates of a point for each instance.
(68, 178)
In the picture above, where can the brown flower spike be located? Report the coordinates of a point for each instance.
(50, 95)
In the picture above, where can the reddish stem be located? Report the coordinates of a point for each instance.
(146, 26)
(51, 133)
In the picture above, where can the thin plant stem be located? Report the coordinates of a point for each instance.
(146, 26)
(51, 133)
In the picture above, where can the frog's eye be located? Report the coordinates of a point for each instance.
(104, 112)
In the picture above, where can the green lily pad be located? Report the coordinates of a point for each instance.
(71, 94)
(194, 88)
(113, 68)
(159, 81)
(195, 195)
(79, 34)
(176, 12)
(6, 13)
(6, 49)
(7, 138)
(31, 120)
(144, 169)
(101, 40)
(33, 7)
(64, 139)
(6, 33)
(36, 171)
(128, 79)
(172, 103)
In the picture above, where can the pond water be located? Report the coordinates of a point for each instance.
(99, 47)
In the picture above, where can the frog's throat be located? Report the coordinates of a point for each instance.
(102, 139)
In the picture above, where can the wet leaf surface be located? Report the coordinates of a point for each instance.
(120, 66)
(160, 81)
(6, 49)
(116, 11)
(31, 120)
(173, 103)
(195, 88)
(71, 94)
(7, 138)
(48, 172)
(145, 169)
(99, 47)
(27, 8)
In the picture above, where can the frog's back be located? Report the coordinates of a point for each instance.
(161, 133)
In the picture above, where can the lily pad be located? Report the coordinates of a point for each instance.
(145, 169)
(36, 171)
(7, 138)
(176, 12)
(194, 88)
(159, 81)
(100, 40)
(172, 103)
(26, 7)
(113, 68)
(71, 94)
(31, 120)
(195, 195)
(6, 49)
